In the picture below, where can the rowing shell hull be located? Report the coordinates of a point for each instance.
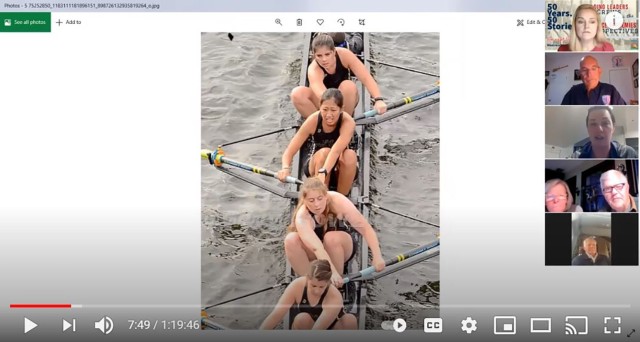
(355, 301)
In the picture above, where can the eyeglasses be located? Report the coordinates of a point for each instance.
(550, 198)
(618, 187)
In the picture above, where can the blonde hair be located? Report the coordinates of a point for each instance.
(309, 184)
(574, 41)
(552, 183)
(320, 270)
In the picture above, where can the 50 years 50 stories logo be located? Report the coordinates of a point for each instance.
(553, 15)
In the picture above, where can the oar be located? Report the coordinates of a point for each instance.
(217, 158)
(402, 102)
(398, 258)
(403, 215)
(259, 135)
(247, 295)
(403, 68)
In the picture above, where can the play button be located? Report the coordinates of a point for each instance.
(399, 325)
(29, 325)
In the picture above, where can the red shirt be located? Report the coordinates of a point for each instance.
(601, 47)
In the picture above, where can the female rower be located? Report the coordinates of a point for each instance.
(315, 234)
(331, 68)
(318, 301)
(331, 131)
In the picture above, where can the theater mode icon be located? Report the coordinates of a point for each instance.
(540, 325)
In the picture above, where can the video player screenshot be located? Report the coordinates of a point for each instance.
(254, 170)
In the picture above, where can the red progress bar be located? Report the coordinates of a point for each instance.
(40, 306)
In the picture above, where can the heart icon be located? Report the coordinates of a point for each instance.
(320, 21)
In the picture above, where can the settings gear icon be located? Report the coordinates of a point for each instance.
(469, 325)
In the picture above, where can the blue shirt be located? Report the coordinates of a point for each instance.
(585, 260)
(616, 150)
(602, 94)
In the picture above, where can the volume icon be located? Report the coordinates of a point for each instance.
(105, 325)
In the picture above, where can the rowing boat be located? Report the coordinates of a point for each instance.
(353, 292)
(357, 272)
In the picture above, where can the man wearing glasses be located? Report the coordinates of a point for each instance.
(590, 257)
(616, 192)
(592, 91)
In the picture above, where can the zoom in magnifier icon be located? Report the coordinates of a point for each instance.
(278, 22)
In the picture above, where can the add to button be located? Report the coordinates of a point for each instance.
(25, 21)
(399, 325)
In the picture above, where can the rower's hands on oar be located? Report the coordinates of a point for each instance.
(282, 174)
(336, 279)
(380, 106)
(378, 263)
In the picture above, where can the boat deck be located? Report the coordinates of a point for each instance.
(355, 294)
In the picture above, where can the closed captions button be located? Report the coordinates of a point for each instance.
(433, 325)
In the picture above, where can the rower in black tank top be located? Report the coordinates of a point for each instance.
(315, 311)
(332, 226)
(318, 228)
(334, 80)
(321, 139)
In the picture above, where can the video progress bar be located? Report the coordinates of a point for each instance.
(100, 306)
(41, 306)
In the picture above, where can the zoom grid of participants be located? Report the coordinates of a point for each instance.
(591, 133)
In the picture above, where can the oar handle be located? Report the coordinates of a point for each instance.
(217, 158)
(206, 154)
(398, 258)
(293, 180)
(390, 106)
(401, 102)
